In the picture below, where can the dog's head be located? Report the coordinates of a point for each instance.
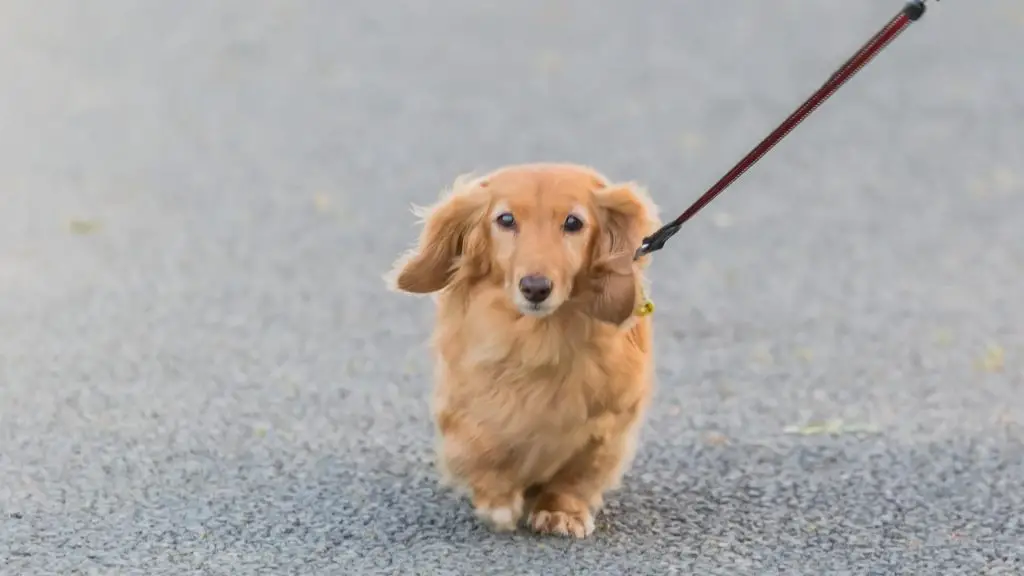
(548, 234)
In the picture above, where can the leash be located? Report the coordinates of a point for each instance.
(911, 12)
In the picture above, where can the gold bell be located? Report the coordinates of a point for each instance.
(646, 307)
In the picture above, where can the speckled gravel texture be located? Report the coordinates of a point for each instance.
(201, 372)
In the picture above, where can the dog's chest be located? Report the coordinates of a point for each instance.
(536, 382)
(551, 398)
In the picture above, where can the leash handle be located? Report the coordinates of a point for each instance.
(911, 12)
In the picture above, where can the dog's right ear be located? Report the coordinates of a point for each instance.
(442, 248)
(627, 215)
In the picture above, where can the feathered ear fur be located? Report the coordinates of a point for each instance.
(627, 215)
(450, 244)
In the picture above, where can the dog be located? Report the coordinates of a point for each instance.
(544, 371)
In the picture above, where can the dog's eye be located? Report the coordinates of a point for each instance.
(572, 224)
(506, 220)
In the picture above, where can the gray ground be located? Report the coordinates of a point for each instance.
(201, 373)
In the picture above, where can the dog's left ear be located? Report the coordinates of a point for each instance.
(450, 241)
(626, 215)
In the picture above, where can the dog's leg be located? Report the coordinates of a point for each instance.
(479, 465)
(566, 504)
(496, 502)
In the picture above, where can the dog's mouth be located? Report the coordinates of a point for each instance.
(539, 309)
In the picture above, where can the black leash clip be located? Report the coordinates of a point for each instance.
(657, 240)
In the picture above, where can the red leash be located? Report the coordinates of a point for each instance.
(911, 12)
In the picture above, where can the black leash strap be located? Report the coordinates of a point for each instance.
(911, 12)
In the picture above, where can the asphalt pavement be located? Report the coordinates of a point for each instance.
(202, 373)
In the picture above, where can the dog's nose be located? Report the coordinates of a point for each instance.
(535, 288)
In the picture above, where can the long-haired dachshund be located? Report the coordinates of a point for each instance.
(543, 367)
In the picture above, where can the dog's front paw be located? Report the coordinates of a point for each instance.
(501, 515)
(577, 525)
(561, 515)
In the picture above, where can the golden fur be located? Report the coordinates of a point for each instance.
(537, 407)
